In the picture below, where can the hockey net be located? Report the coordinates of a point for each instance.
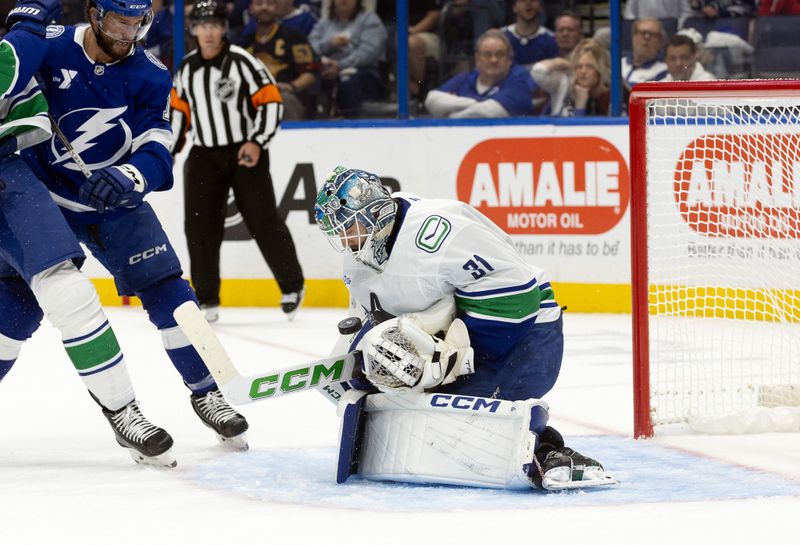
(716, 256)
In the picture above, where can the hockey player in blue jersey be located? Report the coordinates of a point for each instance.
(64, 294)
(110, 98)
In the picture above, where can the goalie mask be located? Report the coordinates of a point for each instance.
(357, 213)
(123, 20)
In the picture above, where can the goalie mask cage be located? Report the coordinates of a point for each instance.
(715, 230)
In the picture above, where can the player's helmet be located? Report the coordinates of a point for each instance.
(357, 213)
(208, 10)
(112, 17)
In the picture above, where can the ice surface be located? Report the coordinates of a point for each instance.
(63, 479)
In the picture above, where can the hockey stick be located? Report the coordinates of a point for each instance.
(239, 389)
(68, 146)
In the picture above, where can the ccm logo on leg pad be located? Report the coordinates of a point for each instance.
(465, 402)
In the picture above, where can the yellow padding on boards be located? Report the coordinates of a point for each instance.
(263, 292)
(751, 304)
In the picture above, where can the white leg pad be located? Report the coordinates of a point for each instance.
(442, 439)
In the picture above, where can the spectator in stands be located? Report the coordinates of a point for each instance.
(496, 88)
(314, 6)
(658, 9)
(464, 20)
(5, 7)
(352, 42)
(423, 40)
(779, 7)
(72, 11)
(299, 18)
(681, 58)
(643, 63)
(288, 56)
(159, 40)
(237, 16)
(579, 86)
(531, 41)
(568, 32)
(711, 9)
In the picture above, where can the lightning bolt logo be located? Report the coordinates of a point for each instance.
(101, 121)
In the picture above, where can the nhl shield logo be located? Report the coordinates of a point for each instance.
(224, 89)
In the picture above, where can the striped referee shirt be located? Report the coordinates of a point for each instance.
(229, 99)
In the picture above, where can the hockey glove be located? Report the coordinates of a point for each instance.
(399, 355)
(33, 15)
(111, 187)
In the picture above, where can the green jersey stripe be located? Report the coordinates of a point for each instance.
(502, 319)
(94, 351)
(9, 67)
(26, 109)
(515, 306)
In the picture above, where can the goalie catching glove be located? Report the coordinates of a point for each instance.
(400, 355)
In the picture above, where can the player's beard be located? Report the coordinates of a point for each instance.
(107, 45)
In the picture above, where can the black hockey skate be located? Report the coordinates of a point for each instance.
(146, 443)
(558, 467)
(215, 413)
(290, 302)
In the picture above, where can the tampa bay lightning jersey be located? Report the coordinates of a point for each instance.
(442, 248)
(113, 114)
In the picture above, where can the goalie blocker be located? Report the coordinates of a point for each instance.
(455, 440)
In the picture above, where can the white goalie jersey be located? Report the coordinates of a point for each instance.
(447, 248)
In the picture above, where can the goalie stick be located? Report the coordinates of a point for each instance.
(240, 389)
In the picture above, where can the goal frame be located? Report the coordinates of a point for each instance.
(637, 112)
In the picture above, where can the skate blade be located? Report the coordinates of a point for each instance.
(165, 460)
(236, 443)
(554, 485)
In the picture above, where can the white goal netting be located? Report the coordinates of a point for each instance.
(723, 261)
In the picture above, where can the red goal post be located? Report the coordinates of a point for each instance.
(715, 197)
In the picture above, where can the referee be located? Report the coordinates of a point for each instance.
(233, 106)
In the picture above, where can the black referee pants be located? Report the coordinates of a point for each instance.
(208, 175)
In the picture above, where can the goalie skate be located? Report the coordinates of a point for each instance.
(557, 467)
(215, 413)
(566, 469)
(146, 443)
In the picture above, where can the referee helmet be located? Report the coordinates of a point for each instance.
(208, 10)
